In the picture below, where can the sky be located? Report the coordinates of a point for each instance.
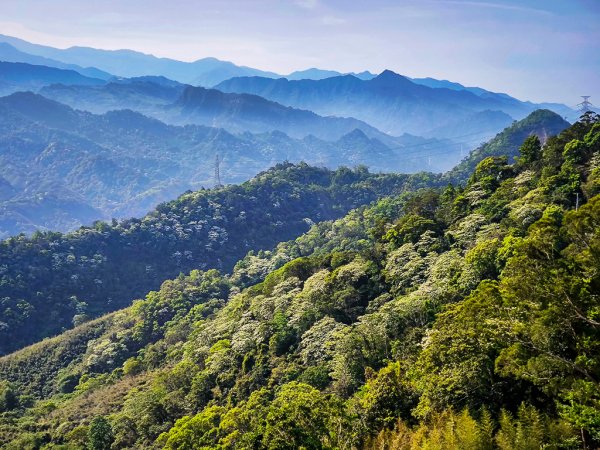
(538, 50)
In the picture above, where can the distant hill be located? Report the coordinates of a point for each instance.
(542, 123)
(205, 72)
(77, 167)
(8, 53)
(129, 63)
(243, 112)
(319, 74)
(445, 84)
(394, 104)
(181, 104)
(20, 76)
(146, 94)
(558, 108)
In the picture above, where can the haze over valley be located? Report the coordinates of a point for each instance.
(162, 122)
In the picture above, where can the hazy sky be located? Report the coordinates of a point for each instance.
(541, 50)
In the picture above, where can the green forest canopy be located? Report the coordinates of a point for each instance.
(456, 317)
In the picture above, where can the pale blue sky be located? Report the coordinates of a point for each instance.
(541, 50)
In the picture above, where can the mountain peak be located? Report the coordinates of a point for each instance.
(390, 78)
(388, 74)
(38, 108)
(356, 134)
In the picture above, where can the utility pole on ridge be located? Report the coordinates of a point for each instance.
(217, 172)
(585, 105)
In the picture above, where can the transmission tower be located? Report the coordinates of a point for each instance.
(217, 172)
(585, 105)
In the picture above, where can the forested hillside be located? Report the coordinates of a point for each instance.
(72, 277)
(52, 281)
(543, 123)
(451, 318)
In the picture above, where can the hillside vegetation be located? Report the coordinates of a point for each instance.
(446, 318)
(52, 281)
(72, 277)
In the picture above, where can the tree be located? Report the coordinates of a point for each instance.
(8, 397)
(299, 417)
(385, 396)
(531, 150)
(197, 432)
(551, 312)
(456, 367)
(100, 434)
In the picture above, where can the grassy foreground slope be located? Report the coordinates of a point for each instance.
(458, 317)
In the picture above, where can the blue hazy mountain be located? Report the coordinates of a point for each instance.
(319, 74)
(502, 97)
(209, 72)
(147, 94)
(245, 112)
(445, 84)
(27, 77)
(393, 103)
(60, 167)
(129, 63)
(8, 53)
(180, 104)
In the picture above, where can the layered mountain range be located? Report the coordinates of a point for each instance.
(62, 168)
(395, 104)
(105, 134)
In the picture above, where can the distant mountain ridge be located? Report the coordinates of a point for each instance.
(393, 103)
(206, 72)
(420, 106)
(16, 77)
(319, 74)
(143, 94)
(61, 168)
(129, 63)
(445, 84)
(8, 53)
(246, 112)
(180, 104)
